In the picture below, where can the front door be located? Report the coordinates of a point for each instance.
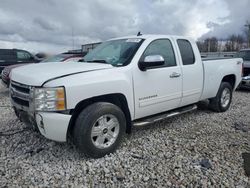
(158, 89)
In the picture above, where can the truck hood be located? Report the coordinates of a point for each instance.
(38, 74)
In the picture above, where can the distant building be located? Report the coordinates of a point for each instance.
(85, 48)
(90, 46)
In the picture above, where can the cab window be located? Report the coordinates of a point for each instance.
(186, 50)
(161, 47)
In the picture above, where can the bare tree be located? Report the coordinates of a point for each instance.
(213, 44)
(201, 46)
(247, 31)
(208, 45)
(239, 41)
(234, 43)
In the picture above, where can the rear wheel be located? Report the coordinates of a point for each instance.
(223, 99)
(99, 129)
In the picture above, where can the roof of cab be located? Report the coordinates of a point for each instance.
(150, 36)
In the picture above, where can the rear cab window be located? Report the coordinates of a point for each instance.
(186, 50)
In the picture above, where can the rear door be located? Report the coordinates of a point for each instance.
(156, 89)
(192, 71)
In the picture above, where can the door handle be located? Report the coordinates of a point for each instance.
(175, 75)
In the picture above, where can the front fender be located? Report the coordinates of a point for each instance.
(88, 85)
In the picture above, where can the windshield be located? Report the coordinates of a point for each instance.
(115, 52)
(245, 55)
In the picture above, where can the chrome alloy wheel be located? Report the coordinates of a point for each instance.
(105, 131)
(225, 97)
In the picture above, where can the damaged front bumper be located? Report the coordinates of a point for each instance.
(51, 125)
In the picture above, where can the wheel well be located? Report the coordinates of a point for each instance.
(117, 99)
(230, 79)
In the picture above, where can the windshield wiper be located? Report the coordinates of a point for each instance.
(99, 61)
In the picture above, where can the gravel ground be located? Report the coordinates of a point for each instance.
(198, 149)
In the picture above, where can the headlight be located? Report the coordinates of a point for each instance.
(49, 99)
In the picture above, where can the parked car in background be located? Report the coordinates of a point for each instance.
(15, 56)
(245, 55)
(64, 57)
(41, 56)
(127, 81)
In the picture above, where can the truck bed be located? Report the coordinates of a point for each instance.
(215, 58)
(214, 71)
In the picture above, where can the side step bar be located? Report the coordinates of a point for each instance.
(162, 116)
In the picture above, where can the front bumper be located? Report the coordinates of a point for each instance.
(51, 125)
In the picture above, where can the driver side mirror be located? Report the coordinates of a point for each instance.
(151, 61)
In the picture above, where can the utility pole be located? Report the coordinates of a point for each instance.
(209, 46)
(73, 40)
(248, 34)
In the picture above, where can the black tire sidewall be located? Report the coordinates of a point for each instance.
(85, 122)
(223, 86)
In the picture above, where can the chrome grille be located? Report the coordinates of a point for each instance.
(20, 94)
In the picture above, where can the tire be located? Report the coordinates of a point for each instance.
(239, 87)
(223, 99)
(99, 129)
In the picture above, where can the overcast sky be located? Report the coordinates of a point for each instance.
(48, 25)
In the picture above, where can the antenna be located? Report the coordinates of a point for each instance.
(139, 34)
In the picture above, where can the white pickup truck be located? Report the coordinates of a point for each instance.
(127, 81)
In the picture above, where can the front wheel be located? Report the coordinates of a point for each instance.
(99, 129)
(223, 99)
